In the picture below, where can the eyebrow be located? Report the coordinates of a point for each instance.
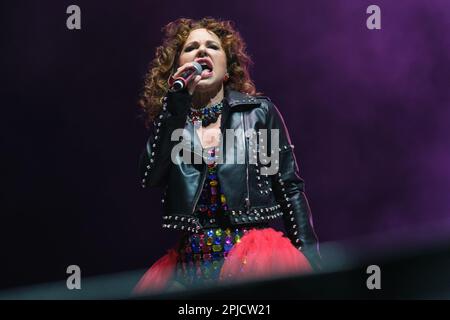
(207, 42)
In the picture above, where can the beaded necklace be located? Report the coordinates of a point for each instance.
(206, 115)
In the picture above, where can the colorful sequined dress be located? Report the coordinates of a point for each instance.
(201, 256)
(222, 253)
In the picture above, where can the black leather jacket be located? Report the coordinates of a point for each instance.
(252, 197)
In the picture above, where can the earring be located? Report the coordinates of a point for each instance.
(226, 77)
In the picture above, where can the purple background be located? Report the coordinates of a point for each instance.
(368, 112)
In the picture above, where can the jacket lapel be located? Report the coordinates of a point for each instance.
(233, 101)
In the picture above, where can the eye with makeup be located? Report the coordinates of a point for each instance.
(192, 47)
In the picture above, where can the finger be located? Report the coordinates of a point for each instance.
(193, 84)
(182, 68)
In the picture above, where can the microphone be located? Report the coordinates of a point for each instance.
(180, 82)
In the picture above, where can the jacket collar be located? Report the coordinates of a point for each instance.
(236, 98)
(233, 100)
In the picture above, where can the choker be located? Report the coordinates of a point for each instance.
(206, 115)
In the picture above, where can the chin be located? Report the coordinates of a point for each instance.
(207, 85)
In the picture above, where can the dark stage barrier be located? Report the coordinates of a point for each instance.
(416, 270)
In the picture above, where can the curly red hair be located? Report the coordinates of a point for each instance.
(166, 59)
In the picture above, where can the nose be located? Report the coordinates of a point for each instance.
(201, 51)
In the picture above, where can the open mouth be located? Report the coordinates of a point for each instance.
(206, 64)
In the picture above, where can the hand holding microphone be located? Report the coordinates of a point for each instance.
(186, 76)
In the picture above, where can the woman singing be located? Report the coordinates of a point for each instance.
(221, 206)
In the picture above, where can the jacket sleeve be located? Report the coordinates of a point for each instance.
(289, 189)
(154, 161)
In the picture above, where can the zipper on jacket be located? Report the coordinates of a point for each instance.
(247, 200)
(199, 189)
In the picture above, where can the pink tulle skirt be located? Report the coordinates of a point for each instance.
(260, 253)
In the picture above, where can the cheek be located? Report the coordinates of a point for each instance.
(185, 57)
(222, 62)
(181, 60)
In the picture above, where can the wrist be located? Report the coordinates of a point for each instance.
(178, 103)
